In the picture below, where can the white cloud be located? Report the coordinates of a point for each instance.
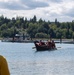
(45, 9)
(9, 1)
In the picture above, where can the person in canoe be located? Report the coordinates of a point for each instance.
(49, 43)
(53, 44)
(41, 43)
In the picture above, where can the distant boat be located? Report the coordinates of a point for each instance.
(43, 47)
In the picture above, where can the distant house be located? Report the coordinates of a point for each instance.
(18, 38)
(21, 37)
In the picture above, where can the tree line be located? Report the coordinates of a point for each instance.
(35, 28)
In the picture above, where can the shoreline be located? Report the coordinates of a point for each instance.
(31, 41)
(70, 41)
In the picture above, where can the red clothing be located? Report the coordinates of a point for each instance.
(53, 44)
(41, 43)
(49, 44)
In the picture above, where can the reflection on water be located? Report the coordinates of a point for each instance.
(23, 60)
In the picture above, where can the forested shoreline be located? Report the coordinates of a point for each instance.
(35, 28)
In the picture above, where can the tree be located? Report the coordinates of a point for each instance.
(72, 26)
(32, 30)
(41, 29)
(34, 19)
(56, 21)
(51, 33)
(73, 36)
(3, 27)
(41, 35)
(40, 20)
(17, 24)
(58, 33)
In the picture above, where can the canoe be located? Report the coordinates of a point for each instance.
(43, 47)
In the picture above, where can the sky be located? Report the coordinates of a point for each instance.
(63, 10)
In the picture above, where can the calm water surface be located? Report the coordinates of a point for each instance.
(23, 60)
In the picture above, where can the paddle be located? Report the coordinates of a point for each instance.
(35, 47)
(58, 47)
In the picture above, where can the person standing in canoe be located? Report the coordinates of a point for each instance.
(53, 44)
(4, 70)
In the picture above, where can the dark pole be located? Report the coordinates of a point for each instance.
(50, 37)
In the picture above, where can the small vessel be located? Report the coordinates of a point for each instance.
(43, 47)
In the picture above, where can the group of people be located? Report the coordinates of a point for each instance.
(49, 43)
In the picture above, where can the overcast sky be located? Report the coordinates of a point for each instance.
(63, 10)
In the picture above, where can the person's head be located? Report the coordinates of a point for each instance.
(53, 41)
(49, 40)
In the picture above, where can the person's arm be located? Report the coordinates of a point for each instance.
(4, 67)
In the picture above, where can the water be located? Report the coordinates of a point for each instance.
(23, 60)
